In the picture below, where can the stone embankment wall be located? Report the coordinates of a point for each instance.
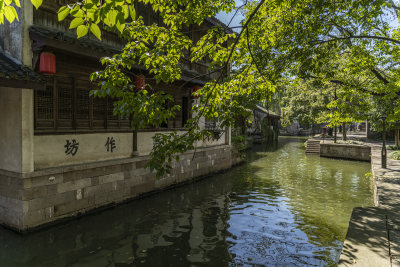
(346, 151)
(373, 235)
(33, 199)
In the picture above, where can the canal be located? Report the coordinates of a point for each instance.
(279, 208)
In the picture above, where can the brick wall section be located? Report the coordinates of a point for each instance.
(49, 195)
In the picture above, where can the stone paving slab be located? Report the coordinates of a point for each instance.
(366, 241)
(373, 236)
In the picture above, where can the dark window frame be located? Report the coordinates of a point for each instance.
(53, 102)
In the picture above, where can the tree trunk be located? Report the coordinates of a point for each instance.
(344, 131)
(367, 127)
(397, 136)
(335, 135)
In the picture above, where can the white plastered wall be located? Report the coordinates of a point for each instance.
(16, 129)
(145, 141)
(51, 150)
(16, 104)
(224, 139)
(10, 129)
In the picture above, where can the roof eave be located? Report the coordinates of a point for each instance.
(22, 84)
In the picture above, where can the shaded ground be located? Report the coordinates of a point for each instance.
(373, 237)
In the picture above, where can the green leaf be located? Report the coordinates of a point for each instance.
(63, 13)
(132, 12)
(82, 30)
(93, 15)
(94, 28)
(76, 22)
(7, 2)
(120, 27)
(17, 3)
(125, 10)
(15, 13)
(88, 6)
(77, 13)
(112, 17)
(10, 13)
(120, 22)
(37, 3)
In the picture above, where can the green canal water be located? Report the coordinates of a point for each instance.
(281, 208)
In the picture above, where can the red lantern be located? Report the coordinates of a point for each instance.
(47, 63)
(140, 82)
(195, 88)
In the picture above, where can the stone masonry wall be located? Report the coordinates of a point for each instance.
(11, 199)
(346, 151)
(41, 197)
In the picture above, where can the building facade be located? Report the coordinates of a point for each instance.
(63, 152)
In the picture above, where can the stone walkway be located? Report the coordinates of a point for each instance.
(373, 236)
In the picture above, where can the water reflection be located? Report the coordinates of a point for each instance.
(281, 208)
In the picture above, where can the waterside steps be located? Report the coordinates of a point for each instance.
(313, 146)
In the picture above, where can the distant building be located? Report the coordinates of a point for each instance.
(265, 125)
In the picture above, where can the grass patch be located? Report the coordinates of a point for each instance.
(395, 155)
(393, 147)
(350, 142)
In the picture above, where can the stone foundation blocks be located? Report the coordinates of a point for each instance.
(33, 199)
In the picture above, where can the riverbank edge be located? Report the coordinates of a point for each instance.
(369, 239)
(58, 195)
(372, 236)
(345, 151)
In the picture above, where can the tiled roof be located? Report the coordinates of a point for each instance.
(11, 70)
(69, 38)
(193, 76)
(93, 47)
(86, 42)
(216, 22)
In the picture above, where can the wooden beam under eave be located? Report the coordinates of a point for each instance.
(22, 84)
(75, 46)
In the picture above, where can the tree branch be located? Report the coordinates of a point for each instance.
(342, 83)
(334, 39)
(379, 75)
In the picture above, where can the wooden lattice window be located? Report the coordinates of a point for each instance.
(112, 120)
(82, 89)
(44, 108)
(64, 100)
(66, 105)
(82, 109)
(99, 112)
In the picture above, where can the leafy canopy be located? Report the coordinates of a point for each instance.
(347, 44)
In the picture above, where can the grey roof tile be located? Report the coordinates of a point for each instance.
(12, 69)
(70, 38)
(216, 22)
